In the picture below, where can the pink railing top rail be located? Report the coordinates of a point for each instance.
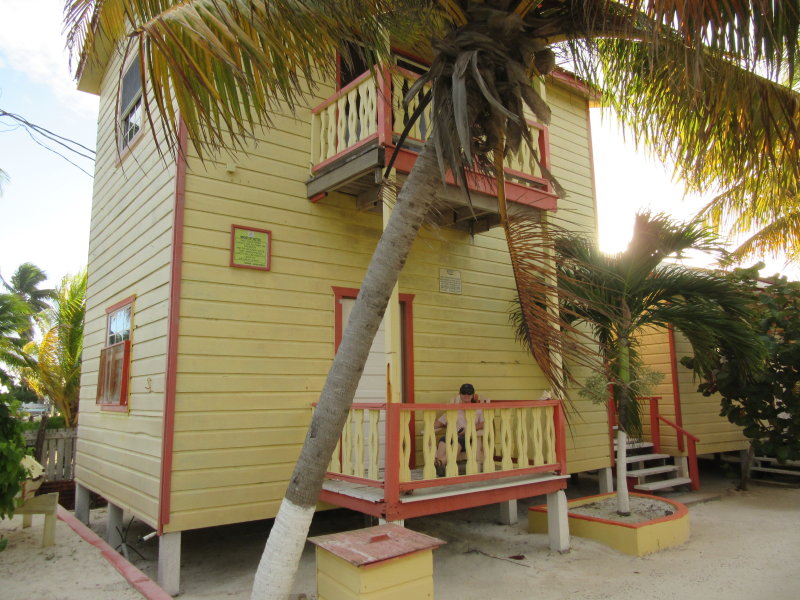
(678, 428)
(342, 92)
(451, 406)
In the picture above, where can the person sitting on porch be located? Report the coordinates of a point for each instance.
(466, 395)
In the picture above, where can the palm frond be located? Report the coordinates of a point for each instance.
(53, 367)
(781, 237)
(481, 83)
(223, 65)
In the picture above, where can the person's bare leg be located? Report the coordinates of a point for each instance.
(441, 453)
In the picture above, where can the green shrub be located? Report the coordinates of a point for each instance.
(12, 449)
(56, 422)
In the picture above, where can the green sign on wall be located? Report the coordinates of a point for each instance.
(250, 247)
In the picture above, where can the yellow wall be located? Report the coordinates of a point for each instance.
(571, 162)
(655, 352)
(118, 454)
(255, 346)
(700, 414)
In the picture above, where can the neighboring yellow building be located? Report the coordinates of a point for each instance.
(681, 403)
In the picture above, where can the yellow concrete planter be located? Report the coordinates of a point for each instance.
(631, 538)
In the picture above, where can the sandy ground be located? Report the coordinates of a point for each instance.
(744, 545)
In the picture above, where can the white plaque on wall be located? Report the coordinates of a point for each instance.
(449, 281)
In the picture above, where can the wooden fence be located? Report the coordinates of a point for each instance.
(58, 454)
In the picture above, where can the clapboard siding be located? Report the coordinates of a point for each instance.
(119, 454)
(699, 414)
(571, 159)
(655, 351)
(255, 346)
(571, 163)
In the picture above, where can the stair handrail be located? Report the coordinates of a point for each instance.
(692, 440)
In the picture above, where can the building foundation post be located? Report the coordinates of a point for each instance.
(169, 562)
(605, 479)
(82, 503)
(114, 526)
(508, 512)
(557, 521)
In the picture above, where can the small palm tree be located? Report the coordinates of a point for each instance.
(54, 371)
(618, 296)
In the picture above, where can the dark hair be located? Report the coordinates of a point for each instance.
(466, 389)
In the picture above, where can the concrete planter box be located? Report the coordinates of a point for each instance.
(637, 539)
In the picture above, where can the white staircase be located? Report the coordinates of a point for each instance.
(654, 471)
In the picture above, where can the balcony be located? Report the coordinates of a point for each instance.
(355, 132)
(384, 463)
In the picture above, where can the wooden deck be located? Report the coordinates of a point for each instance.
(437, 499)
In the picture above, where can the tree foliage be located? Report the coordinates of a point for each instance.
(12, 449)
(768, 407)
(619, 296)
(14, 322)
(24, 284)
(54, 371)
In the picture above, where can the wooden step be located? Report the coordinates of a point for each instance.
(660, 485)
(634, 458)
(651, 471)
(635, 445)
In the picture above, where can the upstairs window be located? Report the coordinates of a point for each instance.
(130, 102)
(115, 357)
(352, 64)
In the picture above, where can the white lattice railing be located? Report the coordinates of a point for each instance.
(379, 443)
(364, 110)
(345, 120)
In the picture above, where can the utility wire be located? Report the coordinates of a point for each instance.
(52, 140)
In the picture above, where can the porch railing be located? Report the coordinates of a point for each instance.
(689, 446)
(371, 108)
(393, 446)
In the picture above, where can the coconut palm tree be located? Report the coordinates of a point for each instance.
(771, 223)
(14, 315)
(54, 370)
(619, 296)
(770, 220)
(681, 72)
(25, 284)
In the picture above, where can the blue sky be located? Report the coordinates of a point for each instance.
(45, 207)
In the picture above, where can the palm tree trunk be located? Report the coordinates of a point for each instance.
(623, 402)
(278, 565)
(623, 498)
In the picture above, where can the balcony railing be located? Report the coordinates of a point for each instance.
(370, 109)
(393, 446)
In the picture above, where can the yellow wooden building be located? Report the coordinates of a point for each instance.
(218, 290)
(678, 401)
